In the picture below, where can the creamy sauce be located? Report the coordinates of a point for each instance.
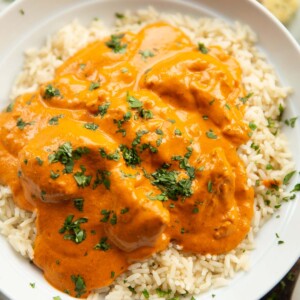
(131, 146)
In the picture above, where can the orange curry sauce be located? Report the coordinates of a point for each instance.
(131, 146)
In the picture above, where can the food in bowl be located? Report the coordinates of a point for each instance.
(151, 142)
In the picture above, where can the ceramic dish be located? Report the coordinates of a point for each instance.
(19, 31)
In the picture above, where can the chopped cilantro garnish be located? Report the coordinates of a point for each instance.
(102, 245)
(246, 98)
(252, 126)
(39, 161)
(288, 177)
(78, 203)
(281, 111)
(113, 219)
(211, 135)
(21, 124)
(54, 175)
(167, 182)
(291, 122)
(54, 120)
(94, 86)
(130, 156)
(51, 92)
(115, 43)
(32, 284)
(209, 186)
(119, 15)
(296, 188)
(159, 131)
(91, 126)
(162, 293)
(146, 53)
(75, 233)
(80, 287)
(81, 179)
(102, 109)
(10, 107)
(66, 155)
(146, 294)
(133, 102)
(146, 114)
(106, 214)
(202, 48)
(102, 176)
(113, 156)
(177, 132)
(124, 210)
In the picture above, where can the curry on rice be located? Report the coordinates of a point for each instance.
(131, 146)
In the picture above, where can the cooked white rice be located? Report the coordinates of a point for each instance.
(172, 270)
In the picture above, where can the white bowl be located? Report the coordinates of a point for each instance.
(269, 262)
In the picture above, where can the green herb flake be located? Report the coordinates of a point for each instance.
(112, 274)
(195, 210)
(91, 126)
(124, 70)
(269, 167)
(10, 107)
(81, 179)
(115, 43)
(130, 156)
(103, 245)
(82, 66)
(205, 117)
(54, 120)
(102, 177)
(78, 203)
(21, 124)
(102, 109)
(22, 12)
(291, 122)
(119, 15)
(146, 53)
(56, 298)
(288, 177)
(162, 293)
(280, 242)
(124, 210)
(39, 161)
(211, 135)
(159, 131)
(113, 219)
(54, 175)
(51, 92)
(202, 48)
(177, 132)
(132, 290)
(171, 121)
(32, 284)
(281, 111)
(74, 232)
(94, 86)
(246, 98)
(227, 106)
(296, 188)
(146, 114)
(80, 287)
(252, 126)
(209, 186)
(106, 215)
(146, 294)
(133, 102)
